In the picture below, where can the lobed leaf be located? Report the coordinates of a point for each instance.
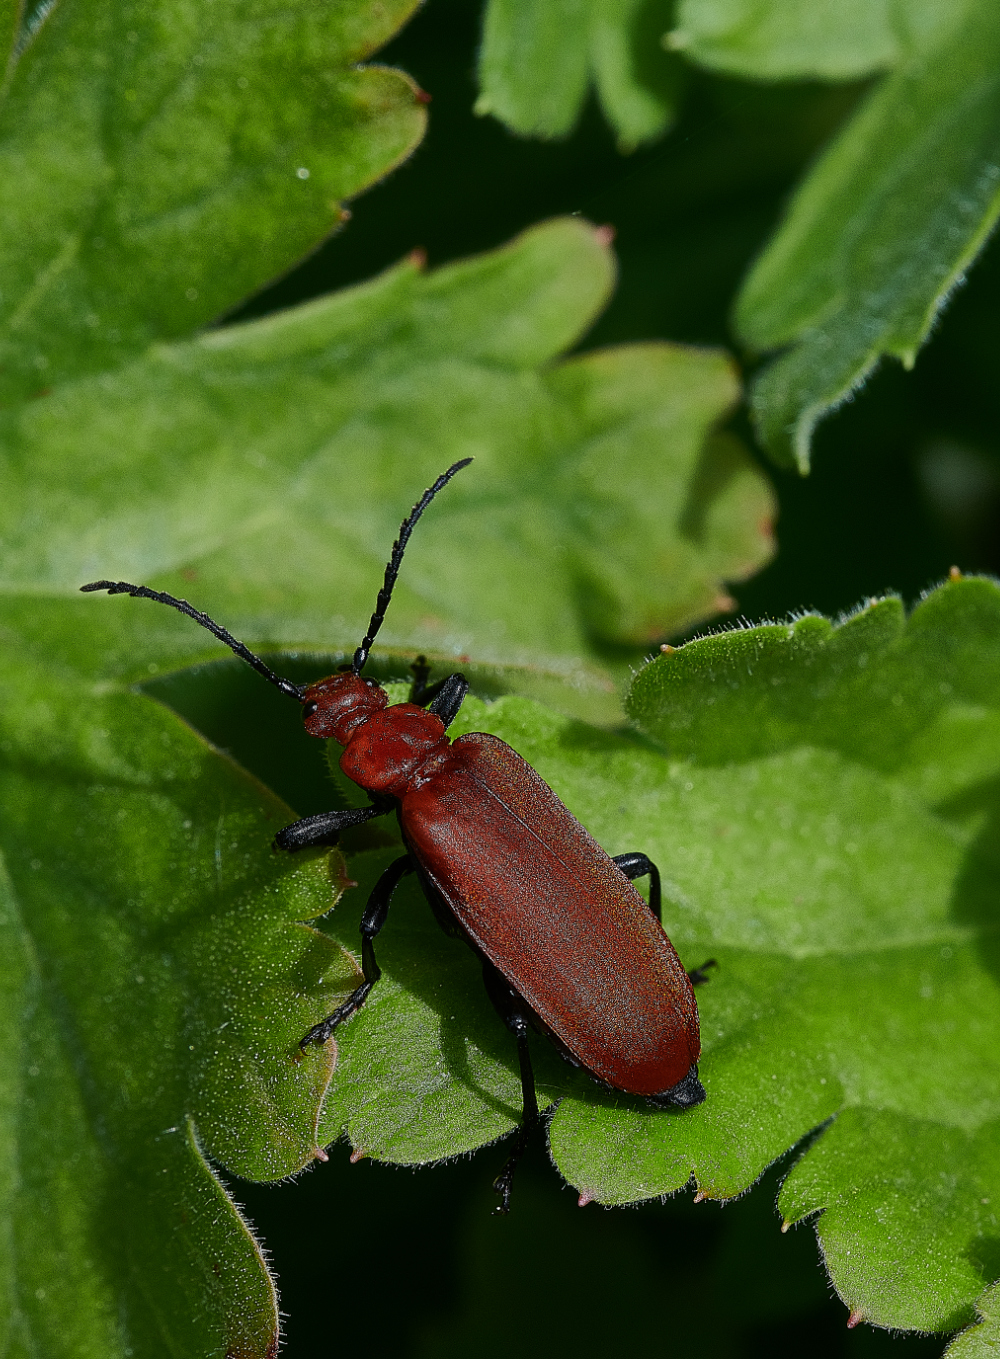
(822, 802)
(882, 229)
(806, 39)
(156, 984)
(313, 431)
(538, 61)
(165, 159)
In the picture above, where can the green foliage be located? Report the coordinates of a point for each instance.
(130, 131)
(982, 1340)
(828, 834)
(880, 232)
(822, 798)
(156, 983)
(538, 61)
(239, 438)
(803, 39)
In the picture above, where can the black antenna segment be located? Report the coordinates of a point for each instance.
(122, 587)
(392, 570)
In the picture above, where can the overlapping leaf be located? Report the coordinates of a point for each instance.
(823, 803)
(803, 39)
(155, 986)
(539, 60)
(263, 470)
(981, 1340)
(889, 220)
(164, 159)
(159, 977)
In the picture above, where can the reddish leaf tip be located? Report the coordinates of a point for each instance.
(954, 574)
(358, 1155)
(418, 257)
(666, 648)
(421, 96)
(584, 1199)
(604, 235)
(701, 1195)
(854, 1318)
(319, 1154)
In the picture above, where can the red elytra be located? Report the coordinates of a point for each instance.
(533, 892)
(568, 945)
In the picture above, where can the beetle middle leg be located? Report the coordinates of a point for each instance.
(508, 1005)
(372, 921)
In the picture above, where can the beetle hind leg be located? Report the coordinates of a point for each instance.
(508, 1005)
(639, 865)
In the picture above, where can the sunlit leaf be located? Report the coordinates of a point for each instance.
(822, 802)
(164, 159)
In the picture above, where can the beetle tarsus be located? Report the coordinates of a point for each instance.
(506, 1002)
(320, 1032)
(699, 975)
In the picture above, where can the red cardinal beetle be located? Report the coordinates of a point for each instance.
(567, 944)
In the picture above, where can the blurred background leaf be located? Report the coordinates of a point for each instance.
(881, 231)
(538, 62)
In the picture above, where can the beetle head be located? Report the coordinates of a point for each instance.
(336, 706)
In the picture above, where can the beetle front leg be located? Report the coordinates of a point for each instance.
(637, 865)
(325, 827)
(372, 921)
(506, 1001)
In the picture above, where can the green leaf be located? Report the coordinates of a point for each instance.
(165, 159)
(880, 232)
(538, 61)
(982, 1340)
(822, 802)
(806, 39)
(159, 983)
(266, 468)
(156, 983)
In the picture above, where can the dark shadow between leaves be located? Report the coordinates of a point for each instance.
(984, 1257)
(976, 898)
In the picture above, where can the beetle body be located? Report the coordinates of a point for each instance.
(568, 945)
(530, 889)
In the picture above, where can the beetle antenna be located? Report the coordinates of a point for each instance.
(122, 587)
(392, 570)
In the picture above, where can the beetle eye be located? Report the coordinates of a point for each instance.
(309, 709)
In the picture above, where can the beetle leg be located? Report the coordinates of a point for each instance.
(421, 674)
(371, 922)
(698, 974)
(449, 698)
(324, 828)
(444, 698)
(637, 865)
(505, 1000)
